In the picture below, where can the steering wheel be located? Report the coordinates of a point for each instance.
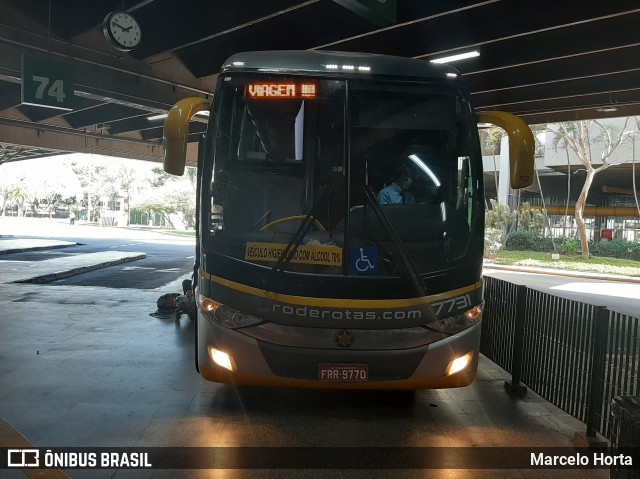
(291, 218)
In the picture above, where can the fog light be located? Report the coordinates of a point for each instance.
(458, 364)
(222, 359)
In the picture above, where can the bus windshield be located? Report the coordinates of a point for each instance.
(342, 177)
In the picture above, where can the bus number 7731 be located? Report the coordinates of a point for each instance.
(339, 183)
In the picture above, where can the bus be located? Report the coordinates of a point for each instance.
(304, 276)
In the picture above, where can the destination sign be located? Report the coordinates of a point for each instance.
(281, 90)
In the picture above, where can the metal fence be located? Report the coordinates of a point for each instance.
(577, 356)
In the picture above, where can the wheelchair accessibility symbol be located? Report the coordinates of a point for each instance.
(364, 260)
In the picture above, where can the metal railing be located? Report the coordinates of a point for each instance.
(577, 356)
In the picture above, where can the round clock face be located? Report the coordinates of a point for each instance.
(122, 30)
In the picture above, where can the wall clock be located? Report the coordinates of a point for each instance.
(122, 30)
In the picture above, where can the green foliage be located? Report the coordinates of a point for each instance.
(184, 205)
(522, 241)
(160, 178)
(499, 216)
(569, 247)
(617, 248)
(528, 241)
(493, 139)
(179, 199)
(530, 219)
(531, 241)
(492, 242)
(571, 263)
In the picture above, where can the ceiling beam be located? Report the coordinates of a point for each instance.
(16, 132)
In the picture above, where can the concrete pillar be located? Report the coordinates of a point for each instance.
(506, 196)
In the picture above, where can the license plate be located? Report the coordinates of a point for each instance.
(343, 372)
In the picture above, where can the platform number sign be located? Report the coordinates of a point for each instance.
(47, 83)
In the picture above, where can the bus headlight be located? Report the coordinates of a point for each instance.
(459, 322)
(225, 315)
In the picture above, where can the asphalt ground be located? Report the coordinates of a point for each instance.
(90, 366)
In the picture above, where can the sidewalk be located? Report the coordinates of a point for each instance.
(562, 272)
(9, 246)
(12, 227)
(56, 268)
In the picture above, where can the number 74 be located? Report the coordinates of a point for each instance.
(56, 90)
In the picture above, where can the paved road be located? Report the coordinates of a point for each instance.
(168, 257)
(166, 261)
(617, 296)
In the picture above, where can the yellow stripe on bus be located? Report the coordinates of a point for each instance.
(340, 303)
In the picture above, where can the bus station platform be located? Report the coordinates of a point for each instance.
(94, 367)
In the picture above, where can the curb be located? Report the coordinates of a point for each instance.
(562, 272)
(36, 248)
(47, 278)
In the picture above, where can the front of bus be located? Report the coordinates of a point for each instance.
(309, 275)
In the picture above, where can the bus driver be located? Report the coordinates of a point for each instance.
(397, 192)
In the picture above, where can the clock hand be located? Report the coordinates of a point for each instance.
(120, 26)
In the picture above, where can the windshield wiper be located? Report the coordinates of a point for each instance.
(264, 218)
(406, 264)
(303, 229)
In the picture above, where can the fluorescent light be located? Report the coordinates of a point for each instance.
(348, 67)
(164, 115)
(238, 64)
(452, 75)
(158, 117)
(331, 66)
(426, 169)
(454, 58)
(364, 69)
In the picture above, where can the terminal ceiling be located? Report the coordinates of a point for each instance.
(547, 61)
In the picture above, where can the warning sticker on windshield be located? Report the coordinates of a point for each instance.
(327, 255)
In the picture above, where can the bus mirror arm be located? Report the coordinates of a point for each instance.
(521, 145)
(176, 132)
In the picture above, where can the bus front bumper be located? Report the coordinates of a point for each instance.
(257, 363)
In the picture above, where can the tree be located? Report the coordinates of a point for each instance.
(178, 196)
(48, 192)
(159, 204)
(185, 207)
(4, 190)
(97, 179)
(531, 219)
(492, 141)
(127, 177)
(500, 217)
(578, 137)
(18, 194)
